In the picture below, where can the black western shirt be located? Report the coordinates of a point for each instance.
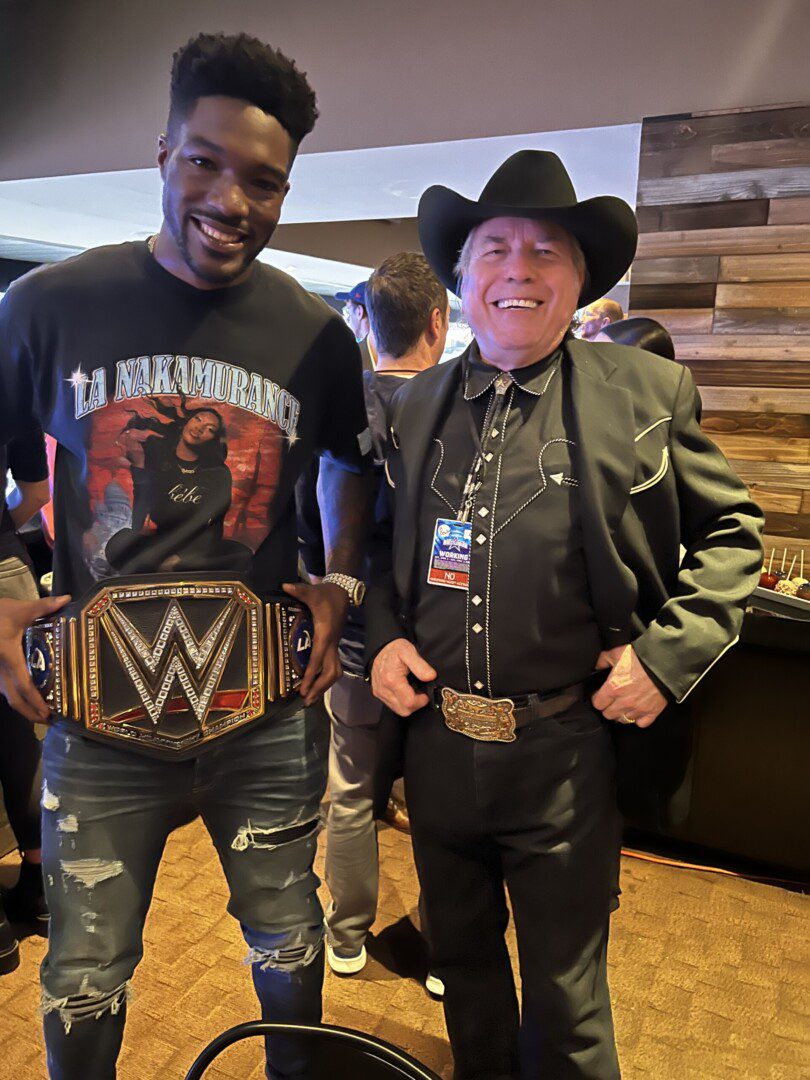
(526, 622)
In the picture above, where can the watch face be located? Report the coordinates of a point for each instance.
(359, 593)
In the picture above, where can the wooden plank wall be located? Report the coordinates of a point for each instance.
(724, 263)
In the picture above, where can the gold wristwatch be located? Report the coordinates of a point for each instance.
(352, 586)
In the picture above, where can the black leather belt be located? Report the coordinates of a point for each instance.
(498, 719)
(165, 664)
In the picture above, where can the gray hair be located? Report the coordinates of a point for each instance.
(465, 255)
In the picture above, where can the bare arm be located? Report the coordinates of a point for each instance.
(33, 497)
(344, 500)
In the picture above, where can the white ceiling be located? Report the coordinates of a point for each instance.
(81, 211)
(84, 82)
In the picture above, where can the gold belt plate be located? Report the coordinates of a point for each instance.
(160, 672)
(162, 666)
(168, 666)
(484, 719)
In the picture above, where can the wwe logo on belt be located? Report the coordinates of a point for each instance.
(174, 656)
(165, 666)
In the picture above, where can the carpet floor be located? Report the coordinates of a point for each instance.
(709, 975)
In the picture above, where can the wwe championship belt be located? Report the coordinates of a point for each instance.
(165, 666)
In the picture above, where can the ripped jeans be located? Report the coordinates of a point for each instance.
(107, 814)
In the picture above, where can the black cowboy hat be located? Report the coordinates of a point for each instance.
(532, 184)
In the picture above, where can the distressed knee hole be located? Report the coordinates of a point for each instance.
(69, 824)
(89, 919)
(91, 872)
(88, 1004)
(297, 954)
(49, 800)
(254, 836)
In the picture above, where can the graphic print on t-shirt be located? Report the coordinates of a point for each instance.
(179, 482)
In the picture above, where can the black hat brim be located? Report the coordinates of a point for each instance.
(605, 228)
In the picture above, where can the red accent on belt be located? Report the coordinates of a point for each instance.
(225, 700)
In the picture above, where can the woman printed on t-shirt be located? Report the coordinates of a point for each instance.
(181, 494)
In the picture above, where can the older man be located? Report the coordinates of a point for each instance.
(597, 316)
(542, 488)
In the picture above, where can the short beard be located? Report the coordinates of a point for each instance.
(212, 277)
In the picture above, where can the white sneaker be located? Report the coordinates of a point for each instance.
(434, 985)
(346, 965)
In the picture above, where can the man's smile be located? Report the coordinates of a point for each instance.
(517, 303)
(219, 238)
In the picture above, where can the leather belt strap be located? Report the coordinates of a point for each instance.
(498, 719)
(165, 665)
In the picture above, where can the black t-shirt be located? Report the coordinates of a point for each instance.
(183, 416)
(26, 460)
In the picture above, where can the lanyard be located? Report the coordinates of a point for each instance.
(483, 456)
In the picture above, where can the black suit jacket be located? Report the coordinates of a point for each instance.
(650, 482)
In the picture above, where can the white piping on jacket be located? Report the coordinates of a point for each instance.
(708, 669)
(662, 470)
(652, 427)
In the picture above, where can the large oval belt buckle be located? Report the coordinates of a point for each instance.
(485, 719)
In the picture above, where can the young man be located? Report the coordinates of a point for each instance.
(409, 313)
(542, 489)
(189, 345)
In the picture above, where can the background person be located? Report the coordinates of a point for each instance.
(597, 316)
(20, 751)
(355, 312)
(409, 312)
(542, 457)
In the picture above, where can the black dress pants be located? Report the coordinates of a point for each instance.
(539, 816)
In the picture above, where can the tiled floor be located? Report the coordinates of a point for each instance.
(710, 978)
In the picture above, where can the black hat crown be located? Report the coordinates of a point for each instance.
(529, 176)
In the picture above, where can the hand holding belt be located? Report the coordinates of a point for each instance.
(498, 719)
(166, 665)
